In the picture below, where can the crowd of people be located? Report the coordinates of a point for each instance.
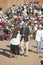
(20, 23)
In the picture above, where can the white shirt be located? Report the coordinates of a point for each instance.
(35, 11)
(42, 34)
(35, 28)
(25, 11)
(0, 20)
(40, 12)
(15, 41)
(38, 35)
(0, 12)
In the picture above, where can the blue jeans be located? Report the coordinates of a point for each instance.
(39, 46)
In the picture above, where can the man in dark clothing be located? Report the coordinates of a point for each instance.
(25, 32)
(21, 32)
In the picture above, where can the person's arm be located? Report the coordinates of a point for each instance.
(37, 34)
(29, 37)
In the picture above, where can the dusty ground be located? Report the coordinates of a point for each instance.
(32, 59)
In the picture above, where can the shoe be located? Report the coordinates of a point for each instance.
(42, 61)
(10, 56)
(25, 55)
(22, 54)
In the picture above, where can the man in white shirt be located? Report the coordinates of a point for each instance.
(39, 38)
(42, 36)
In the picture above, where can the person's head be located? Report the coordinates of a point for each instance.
(7, 27)
(40, 27)
(23, 25)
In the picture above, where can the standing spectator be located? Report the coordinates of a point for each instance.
(22, 39)
(39, 39)
(26, 33)
(42, 36)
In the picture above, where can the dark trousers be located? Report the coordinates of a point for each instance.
(0, 37)
(41, 62)
(14, 49)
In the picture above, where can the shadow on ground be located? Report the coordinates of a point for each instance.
(5, 52)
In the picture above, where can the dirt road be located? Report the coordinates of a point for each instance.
(32, 59)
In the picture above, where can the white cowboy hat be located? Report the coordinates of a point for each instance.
(40, 26)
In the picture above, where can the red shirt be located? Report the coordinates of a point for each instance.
(2, 24)
(18, 19)
(38, 20)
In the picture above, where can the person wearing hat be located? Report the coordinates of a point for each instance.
(39, 38)
(42, 35)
